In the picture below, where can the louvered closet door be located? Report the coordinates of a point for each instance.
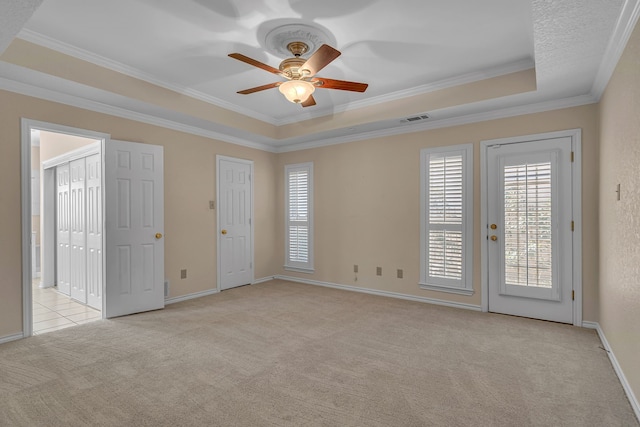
(78, 237)
(63, 263)
(529, 213)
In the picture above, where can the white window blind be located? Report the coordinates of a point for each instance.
(446, 212)
(299, 212)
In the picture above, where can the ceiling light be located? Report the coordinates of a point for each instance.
(296, 91)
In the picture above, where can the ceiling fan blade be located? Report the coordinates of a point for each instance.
(320, 59)
(250, 61)
(339, 84)
(259, 88)
(309, 102)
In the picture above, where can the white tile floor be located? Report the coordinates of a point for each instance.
(53, 310)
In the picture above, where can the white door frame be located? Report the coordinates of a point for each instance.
(219, 258)
(576, 206)
(25, 185)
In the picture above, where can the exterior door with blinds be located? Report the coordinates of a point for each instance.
(529, 215)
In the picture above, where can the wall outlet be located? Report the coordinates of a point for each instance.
(355, 268)
(378, 271)
(183, 274)
(400, 273)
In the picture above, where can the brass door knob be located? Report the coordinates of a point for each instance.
(224, 231)
(493, 226)
(494, 238)
(158, 235)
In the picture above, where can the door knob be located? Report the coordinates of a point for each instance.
(158, 235)
(494, 238)
(224, 231)
(493, 226)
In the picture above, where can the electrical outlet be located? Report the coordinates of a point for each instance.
(212, 204)
(183, 274)
(355, 268)
(400, 273)
(378, 271)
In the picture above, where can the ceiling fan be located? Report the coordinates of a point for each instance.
(300, 74)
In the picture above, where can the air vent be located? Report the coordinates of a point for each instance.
(415, 118)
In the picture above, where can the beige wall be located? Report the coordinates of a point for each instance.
(620, 220)
(189, 185)
(367, 196)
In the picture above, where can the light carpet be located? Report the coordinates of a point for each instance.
(287, 354)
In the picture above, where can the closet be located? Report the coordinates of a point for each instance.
(78, 184)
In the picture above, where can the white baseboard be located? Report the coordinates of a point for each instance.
(262, 280)
(187, 297)
(382, 293)
(10, 338)
(616, 367)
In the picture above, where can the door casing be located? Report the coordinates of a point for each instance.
(220, 158)
(25, 187)
(576, 202)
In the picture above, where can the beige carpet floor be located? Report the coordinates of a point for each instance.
(285, 354)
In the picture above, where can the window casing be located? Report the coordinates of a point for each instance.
(299, 217)
(446, 212)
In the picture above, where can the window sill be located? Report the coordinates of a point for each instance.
(448, 289)
(300, 269)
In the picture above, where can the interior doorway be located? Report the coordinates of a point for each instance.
(66, 219)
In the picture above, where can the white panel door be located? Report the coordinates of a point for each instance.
(234, 218)
(94, 230)
(78, 237)
(63, 261)
(134, 202)
(530, 238)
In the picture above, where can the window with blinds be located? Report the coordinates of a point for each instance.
(527, 225)
(298, 214)
(446, 212)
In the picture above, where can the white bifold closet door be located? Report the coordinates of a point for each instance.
(62, 229)
(94, 230)
(78, 236)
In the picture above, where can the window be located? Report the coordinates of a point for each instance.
(447, 219)
(299, 217)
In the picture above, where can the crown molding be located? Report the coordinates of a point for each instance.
(617, 43)
(75, 101)
(84, 55)
(475, 76)
(449, 122)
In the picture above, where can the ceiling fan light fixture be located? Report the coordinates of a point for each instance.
(296, 91)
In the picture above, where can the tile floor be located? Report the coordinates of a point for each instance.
(53, 310)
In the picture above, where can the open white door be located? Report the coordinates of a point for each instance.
(134, 227)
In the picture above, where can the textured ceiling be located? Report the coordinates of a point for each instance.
(418, 56)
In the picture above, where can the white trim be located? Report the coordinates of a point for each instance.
(187, 297)
(381, 293)
(299, 269)
(78, 153)
(98, 107)
(475, 76)
(251, 219)
(448, 289)
(576, 177)
(101, 61)
(435, 123)
(262, 280)
(10, 338)
(617, 43)
(635, 405)
(26, 125)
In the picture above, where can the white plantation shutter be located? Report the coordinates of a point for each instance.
(298, 206)
(446, 218)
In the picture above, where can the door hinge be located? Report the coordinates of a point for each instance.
(573, 295)
(250, 265)
(573, 225)
(249, 221)
(572, 157)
